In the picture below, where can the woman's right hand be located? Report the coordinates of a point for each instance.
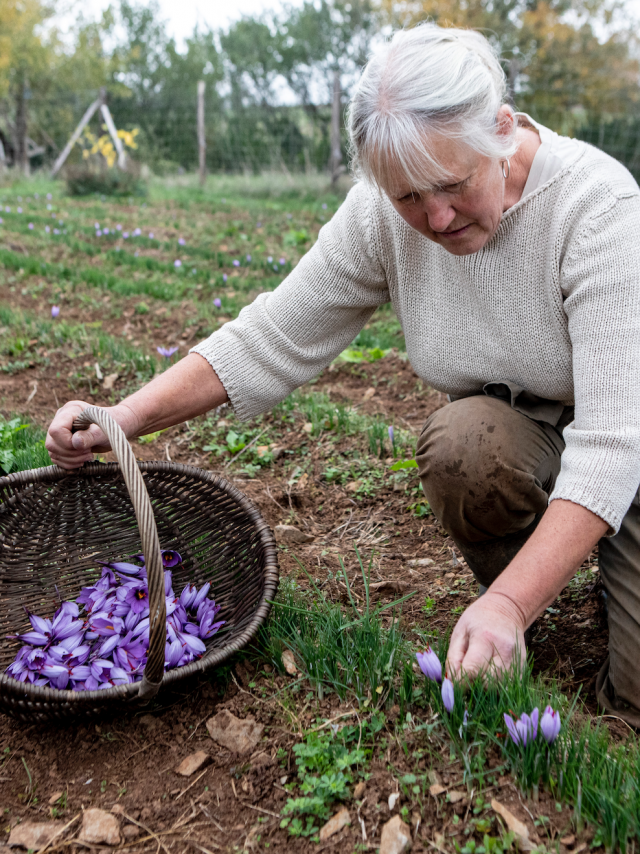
(71, 450)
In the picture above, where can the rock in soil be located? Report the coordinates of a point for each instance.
(100, 827)
(396, 837)
(34, 835)
(131, 831)
(289, 662)
(335, 823)
(55, 797)
(359, 790)
(291, 534)
(241, 736)
(192, 763)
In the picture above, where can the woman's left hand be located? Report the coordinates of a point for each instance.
(489, 636)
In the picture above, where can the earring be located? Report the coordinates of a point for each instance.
(505, 174)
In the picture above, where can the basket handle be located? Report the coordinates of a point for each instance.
(154, 669)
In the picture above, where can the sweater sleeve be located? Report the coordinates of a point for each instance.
(286, 337)
(600, 280)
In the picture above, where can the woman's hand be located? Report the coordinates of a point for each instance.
(70, 450)
(489, 636)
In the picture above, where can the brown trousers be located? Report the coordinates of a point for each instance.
(487, 471)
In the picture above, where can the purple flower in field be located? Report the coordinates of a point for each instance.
(96, 225)
(55, 310)
(7, 209)
(136, 232)
(56, 231)
(248, 259)
(282, 262)
(224, 277)
(105, 231)
(430, 664)
(170, 557)
(236, 262)
(270, 259)
(550, 725)
(391, 434)
(30, 226)
(49, 207)
(150, 235)
(217, 302)
(47, 229)
(135, 254)
(324, 206)
(49, 195)
(177, 263)
(118, 227)
(447, 694)
(125, 235)
(524, 729)
(98, 233)
(1, 220)
(181, 241)
(167, 352)
(19, 210)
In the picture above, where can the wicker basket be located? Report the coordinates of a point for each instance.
(56, 525)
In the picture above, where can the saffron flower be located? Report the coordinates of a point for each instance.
(447, 694)
(181, 241)
(170, 558)
(167, 352)
(125, 235)
(177, 263)
(430, 664)
(236, 262)
(224, 277)
(550, 725)
(136, 232)
(30, 226)
(55, 310)
(248, 259)
(524, 729)
(324, 206)
(150, 235)
(391, 434)
(282, 262)
(47, 228)
(217, 302)
(270, 259)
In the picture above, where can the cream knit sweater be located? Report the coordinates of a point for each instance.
(551, 303)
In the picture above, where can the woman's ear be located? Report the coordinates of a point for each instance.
(505, 121)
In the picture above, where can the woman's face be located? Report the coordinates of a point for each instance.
(463, 215)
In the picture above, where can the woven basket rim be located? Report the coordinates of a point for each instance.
(52, 474)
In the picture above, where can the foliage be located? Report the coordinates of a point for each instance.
(21, 446)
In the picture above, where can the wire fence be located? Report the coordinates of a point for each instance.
(258, 137)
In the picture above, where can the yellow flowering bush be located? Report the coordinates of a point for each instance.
(99, 172)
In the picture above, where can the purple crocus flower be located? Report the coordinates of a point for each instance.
(270, 259)
(30, 226)
(105, 231)
(138, 598)
(447, 694)
(282, 262)
(98, 232)
(125, 235)
(167, 352)
(136, 232)
(169, 556)
(550, 725)
(188, 595)
(524, 729)
(19, 210)
(217, 302)
(150, 235)
(177, 263)
(248, 258)
(236, 262)
(391, 434)
(430, 664)
(47, 229)
(224, 277)
(55, 310)
(181, 241)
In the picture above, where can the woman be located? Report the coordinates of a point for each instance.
(511, 259)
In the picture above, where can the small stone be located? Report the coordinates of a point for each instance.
(396, 837)
(283, 780)
(149, 722)
(389, 588)
(456, 797)
(291, 534)
(289, 662)
(568, 840)
(421, 561)
(131, 831)
(308, 427)
(117, 809)
(240, 736)
(335, 824)
(437, 789)
(109, 381)
(262, 450)
(192, 763)
(393, 800)
(34, 835)
(100, 827)
(434, 777)
(359, 790)
(55, 797)
(354, 486)
(368, 393)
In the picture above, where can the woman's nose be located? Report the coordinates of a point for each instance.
(440, 213)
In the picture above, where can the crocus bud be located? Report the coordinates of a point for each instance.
(550, 725)
(430, 664)
(447, 694)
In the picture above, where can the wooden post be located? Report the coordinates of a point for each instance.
(335, 159)
(202, 142)
(106, 115)
(76, 134)
(22, 152)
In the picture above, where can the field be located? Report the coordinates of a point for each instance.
(349, 721)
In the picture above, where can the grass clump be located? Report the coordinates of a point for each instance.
(21, 446)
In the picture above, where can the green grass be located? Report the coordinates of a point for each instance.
(21, 446)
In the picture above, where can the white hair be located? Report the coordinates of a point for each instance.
(424, 81)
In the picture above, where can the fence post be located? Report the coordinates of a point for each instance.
(202, 142)
(76, 134)
(335, 159)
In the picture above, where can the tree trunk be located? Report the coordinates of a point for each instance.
(22, 152)
(335, 159)
(202, 141)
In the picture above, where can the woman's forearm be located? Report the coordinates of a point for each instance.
(189, 388)
(566, 534)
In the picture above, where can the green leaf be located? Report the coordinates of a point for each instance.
(404, 464)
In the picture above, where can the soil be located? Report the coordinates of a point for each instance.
(130, 761)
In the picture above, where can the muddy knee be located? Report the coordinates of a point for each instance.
(479, 462)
